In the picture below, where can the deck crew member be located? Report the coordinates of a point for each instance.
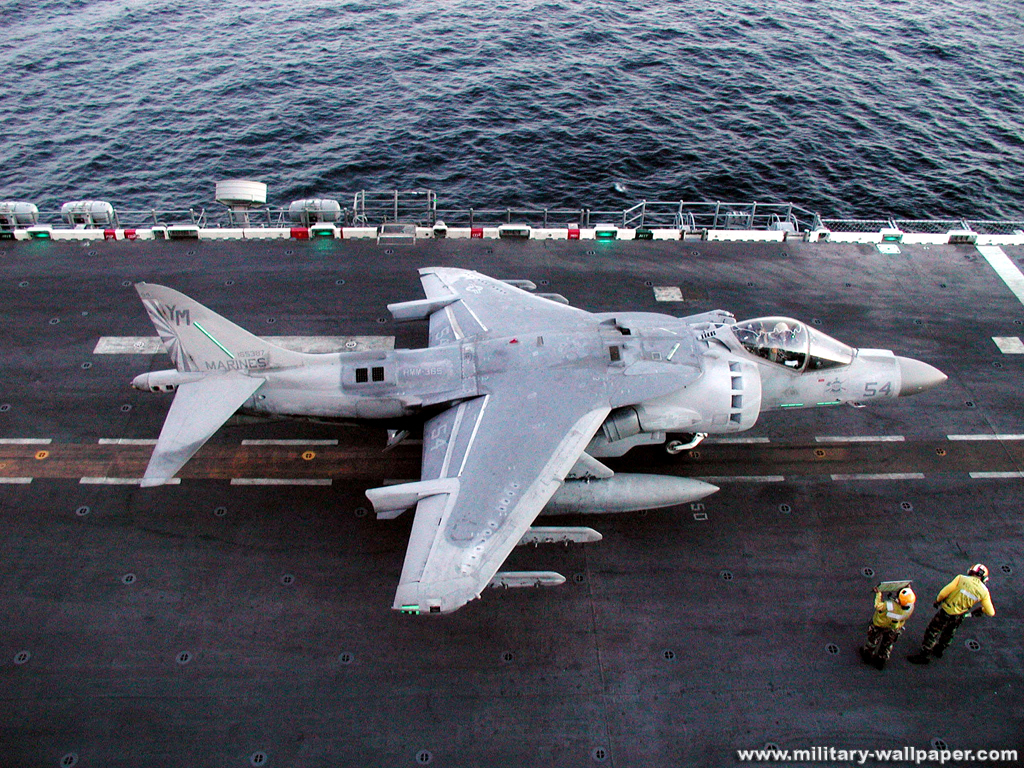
(963, 595)
(886, 626)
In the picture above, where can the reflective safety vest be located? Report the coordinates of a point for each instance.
(889, 614)
(962, 594)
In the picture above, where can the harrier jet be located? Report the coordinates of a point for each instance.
(520, 397)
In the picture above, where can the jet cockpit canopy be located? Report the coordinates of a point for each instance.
(792, 344)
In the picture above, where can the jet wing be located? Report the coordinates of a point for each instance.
(482, 305)
(489, 466)
(199, 409)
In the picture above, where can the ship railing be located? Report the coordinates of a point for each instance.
(985, 227)
(371, 209)
(857, 225)
(534, 217)
(689, 216)
(152, 217)
(927, 226)
(420, 208)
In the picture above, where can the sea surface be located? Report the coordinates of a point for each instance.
(855, 108)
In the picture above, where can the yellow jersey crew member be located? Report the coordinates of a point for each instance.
(963, 595)
(886, 625)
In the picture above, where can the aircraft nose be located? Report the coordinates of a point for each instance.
(917, 376)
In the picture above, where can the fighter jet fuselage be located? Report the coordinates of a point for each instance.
(662, 376)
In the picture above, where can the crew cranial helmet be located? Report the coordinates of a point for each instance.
(907, 597)
(979, 570)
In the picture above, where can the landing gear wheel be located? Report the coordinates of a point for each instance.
(688, 442)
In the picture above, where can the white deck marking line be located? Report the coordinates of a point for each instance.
(127, 441)
(985, 437)
(122, 481)
(289, 442)
(882, 476)
(668, 293)
(280, 481)
(128, 345)
(1005, 268)
(861, 439)
(736, 441)
(15, 480)
(744, 479)
(995, 475)
(1009, 345)
(25, 441)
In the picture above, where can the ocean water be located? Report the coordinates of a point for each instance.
(913, 108)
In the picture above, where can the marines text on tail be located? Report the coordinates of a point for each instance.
(520, 396)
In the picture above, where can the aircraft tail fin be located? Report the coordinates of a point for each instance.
(200, 341)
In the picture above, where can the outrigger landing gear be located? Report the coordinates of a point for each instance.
(684, 442)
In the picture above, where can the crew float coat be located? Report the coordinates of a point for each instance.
(962, 594)
(889, 614)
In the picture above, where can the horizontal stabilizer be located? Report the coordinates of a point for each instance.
(199, 409)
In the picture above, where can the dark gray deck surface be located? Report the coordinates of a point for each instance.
(675, 641)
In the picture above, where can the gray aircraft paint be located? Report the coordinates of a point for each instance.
(529, 389)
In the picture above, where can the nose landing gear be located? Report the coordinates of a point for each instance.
(684, 442)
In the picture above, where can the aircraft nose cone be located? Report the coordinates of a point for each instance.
(917, 376)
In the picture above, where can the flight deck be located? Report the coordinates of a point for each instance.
(242, 615)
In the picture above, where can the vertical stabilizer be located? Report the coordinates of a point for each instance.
(200, 341)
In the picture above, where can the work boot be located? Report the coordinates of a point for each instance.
(878, 663)
(864, 655)
(918, 658)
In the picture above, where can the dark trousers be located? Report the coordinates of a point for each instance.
(880, 642)
(939, 632)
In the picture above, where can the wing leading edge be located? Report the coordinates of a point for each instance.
(471, 304)
(488, 471)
